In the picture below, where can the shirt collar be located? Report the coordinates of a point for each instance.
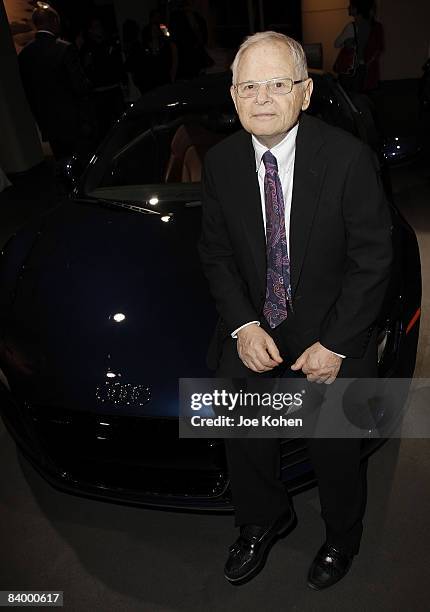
(283, 151)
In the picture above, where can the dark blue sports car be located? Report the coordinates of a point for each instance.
(103, 306)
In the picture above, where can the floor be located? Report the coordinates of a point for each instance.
(107, 557)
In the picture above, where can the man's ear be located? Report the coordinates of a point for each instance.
(309, 86)
(233, 96)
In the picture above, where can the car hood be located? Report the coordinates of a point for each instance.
(105, 310)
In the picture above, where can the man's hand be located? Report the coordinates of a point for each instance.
(257, 349)
(319, 364)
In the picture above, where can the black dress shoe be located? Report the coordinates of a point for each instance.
(328, 567)
(248, 554)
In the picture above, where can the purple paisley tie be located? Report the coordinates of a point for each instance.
(278, 288)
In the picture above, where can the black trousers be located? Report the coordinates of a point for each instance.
(259, 495)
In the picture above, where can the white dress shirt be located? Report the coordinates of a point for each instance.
(285, 153)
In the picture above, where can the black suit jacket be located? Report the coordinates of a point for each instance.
(55, 86)
(340, 239)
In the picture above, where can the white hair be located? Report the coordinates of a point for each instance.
(294, 47)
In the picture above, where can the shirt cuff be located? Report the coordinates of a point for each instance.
(234, 334)
(338, 354)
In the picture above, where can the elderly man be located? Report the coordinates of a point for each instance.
(296, 246)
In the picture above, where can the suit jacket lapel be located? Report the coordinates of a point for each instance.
(250, 209)
(309, 171)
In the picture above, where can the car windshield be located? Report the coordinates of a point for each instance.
(156, 156)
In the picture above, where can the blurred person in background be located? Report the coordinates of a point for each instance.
(190, 34)
(133, 52)
(102, 62)
(366, 36)
(160, 58)
(56, 87)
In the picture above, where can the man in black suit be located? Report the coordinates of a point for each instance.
(296, 246)
(56, 87)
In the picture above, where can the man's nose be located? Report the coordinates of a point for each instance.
(262, 94)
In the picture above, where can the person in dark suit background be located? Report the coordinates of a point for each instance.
(56, 87)
(296, 246)
(189, 34)
(159, 61)
(101, 60)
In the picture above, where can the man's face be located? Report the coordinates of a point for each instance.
(267, 116)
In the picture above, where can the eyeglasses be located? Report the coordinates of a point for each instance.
(278, 87)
